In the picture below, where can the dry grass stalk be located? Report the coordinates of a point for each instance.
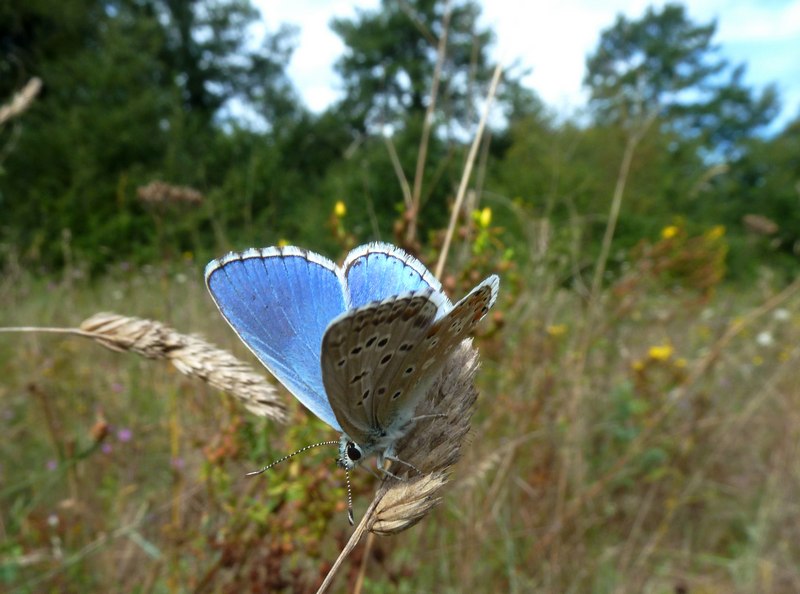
(760, 225)
(462, 188)
(403, 504)
(676, 396)
(159, 192)
(479, 471)
(398, 171)
(433, 446)
(422, 154)
(574, 466)
(191, 355)
(21, 100)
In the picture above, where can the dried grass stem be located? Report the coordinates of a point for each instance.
(191, 355)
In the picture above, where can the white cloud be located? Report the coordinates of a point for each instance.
(311, 67)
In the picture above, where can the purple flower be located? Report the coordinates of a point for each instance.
(177, 463)
(106, 448)
(124, 435)
(52, 465)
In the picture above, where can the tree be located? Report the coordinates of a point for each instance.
(419, 69)
(134, 90)
(665, 66)
(209, 50)
(390, 59)
(763, 182)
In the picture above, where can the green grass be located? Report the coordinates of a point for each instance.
(596, 463)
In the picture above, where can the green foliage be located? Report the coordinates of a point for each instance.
(139, 91)
(77, 149)
(129, 96)
(210, 55)
(645, 65)
(763, 181)
(389, 64)
(608, 452)
(665, 66)
(368, 183)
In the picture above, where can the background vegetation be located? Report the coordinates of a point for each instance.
(638, 428)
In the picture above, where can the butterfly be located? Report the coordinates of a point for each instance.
(359, 345)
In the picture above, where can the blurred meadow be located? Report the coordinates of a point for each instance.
(638, 421)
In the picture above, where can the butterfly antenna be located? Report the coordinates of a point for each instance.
(293, 454)
(349, 497)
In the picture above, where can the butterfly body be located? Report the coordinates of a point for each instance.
(358, 345)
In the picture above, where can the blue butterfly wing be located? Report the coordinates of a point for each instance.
(377, 271)
(280, 301)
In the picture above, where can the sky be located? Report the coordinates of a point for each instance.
(554, 38)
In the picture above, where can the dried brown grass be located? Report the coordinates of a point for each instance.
(191, 355)
(21, 101)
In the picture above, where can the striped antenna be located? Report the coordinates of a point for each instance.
(349, 497)
(300, 451)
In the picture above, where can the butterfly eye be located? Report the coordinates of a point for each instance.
(353, 451)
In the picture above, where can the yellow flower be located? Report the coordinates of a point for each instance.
(758, 360)
(637, 365)
(485, 218)
(283, 242)
(340, 209)
(669, 232)
(681, 362)
(660, 352)
(715, 232)
(557, 329)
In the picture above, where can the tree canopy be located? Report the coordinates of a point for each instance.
(196, 95)
(390, 59)
(666, 66)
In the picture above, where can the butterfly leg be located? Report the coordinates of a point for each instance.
(391, 474)
(411, 466)
(433, 416)
(389, 455)
(372, 472)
